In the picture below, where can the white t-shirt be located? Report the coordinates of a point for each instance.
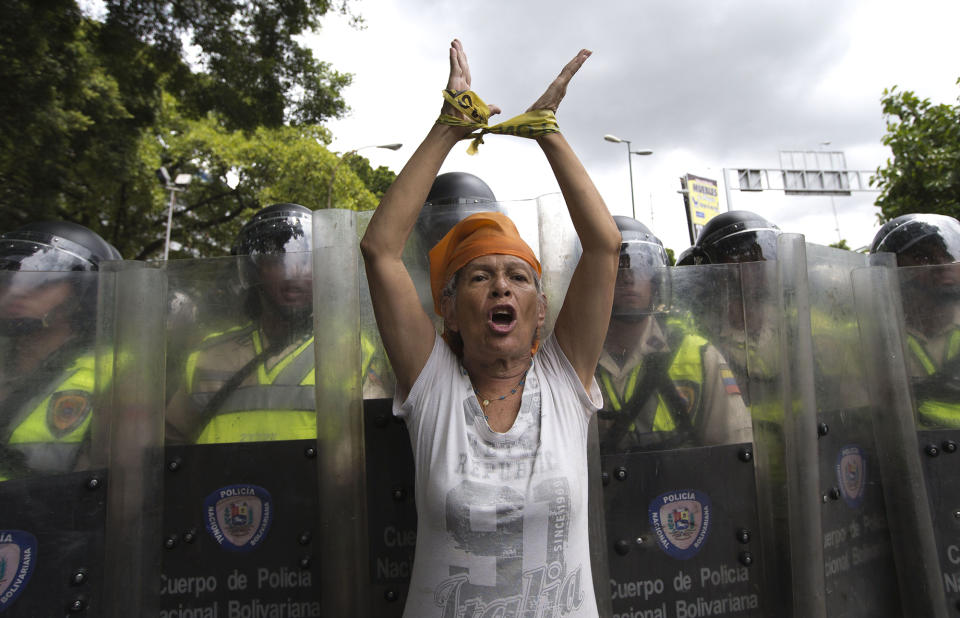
(502, 517)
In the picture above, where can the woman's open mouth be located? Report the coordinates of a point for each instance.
(502, 318)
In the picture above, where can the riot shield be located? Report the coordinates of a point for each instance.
(243, 527)
(559, 252)
(855, 564)
(391, 515)
(343, 363)
(908, 320)
(679, 463)
(67, 349)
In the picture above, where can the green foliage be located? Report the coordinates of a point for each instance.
(248, 66)
(671, 259)
(377, 180)
(92, 109)
(235, 174)
(841, 244)
(62, 115)
(924, 173)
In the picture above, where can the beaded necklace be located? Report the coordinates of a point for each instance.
(486, 402)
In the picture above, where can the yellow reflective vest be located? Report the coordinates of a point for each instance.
(275, 402)
(49, 431)
(685, 372)
(933, 411)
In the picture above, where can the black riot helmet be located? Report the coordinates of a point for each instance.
(638, 245)
(920, 239)
(459, 188)
(733, 237)
(643, 279)
(276, 261)
(54, 246)
(45, 253)
(686, 257)
(453, 196)
(274, 231)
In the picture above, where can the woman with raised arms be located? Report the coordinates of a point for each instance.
(497, 416)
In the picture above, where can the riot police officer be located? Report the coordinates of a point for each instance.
(48, 295)
(255, 381)
(661, 381)
(930, 298)
(735, 236)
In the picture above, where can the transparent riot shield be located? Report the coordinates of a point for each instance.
(244, 532)
(66, 348)
(343, 361)
(679, 463)
(908, 321)
(856, 557)
(559, 251)
(389, 472)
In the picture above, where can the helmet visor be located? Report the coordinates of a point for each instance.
(641, 255)
(755, 245)
(924, 241)
(38, 256)
(642, 285)
(284, 266)
(278, 235)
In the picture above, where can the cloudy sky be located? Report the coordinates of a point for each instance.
(705, 85)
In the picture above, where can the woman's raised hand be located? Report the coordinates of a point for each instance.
(558, 88)
(459, 79)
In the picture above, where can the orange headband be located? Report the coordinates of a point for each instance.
(482, 233)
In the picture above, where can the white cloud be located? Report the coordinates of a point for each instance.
(706, 86)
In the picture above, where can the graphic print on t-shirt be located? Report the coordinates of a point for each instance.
(509, 522)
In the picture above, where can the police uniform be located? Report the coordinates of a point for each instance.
(46, 404)
(700, 397)
(936, 392)
(46, 434)
(274, 400)
(930, 294)
(239, 387)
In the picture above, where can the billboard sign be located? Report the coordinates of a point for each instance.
(702, 201)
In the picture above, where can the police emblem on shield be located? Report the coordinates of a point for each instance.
(18, 557)
(238, 516)
(852, 474)
(681, 522)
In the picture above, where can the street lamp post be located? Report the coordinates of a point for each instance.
(644, 152)
(173, 186)
(333, 174)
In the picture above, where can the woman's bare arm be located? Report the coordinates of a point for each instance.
(582, 322)
(405, 328)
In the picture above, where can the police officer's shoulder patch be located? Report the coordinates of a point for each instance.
(67, 410)
(729, 381)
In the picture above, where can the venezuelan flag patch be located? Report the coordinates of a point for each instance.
(729, 382)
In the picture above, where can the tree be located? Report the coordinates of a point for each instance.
(63, 120)
(924, 173)
(840, 244)
(376, 180)
(246, 62)
(235, 174)
(93, 107)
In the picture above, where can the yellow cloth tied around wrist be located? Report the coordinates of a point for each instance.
(530, 124)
